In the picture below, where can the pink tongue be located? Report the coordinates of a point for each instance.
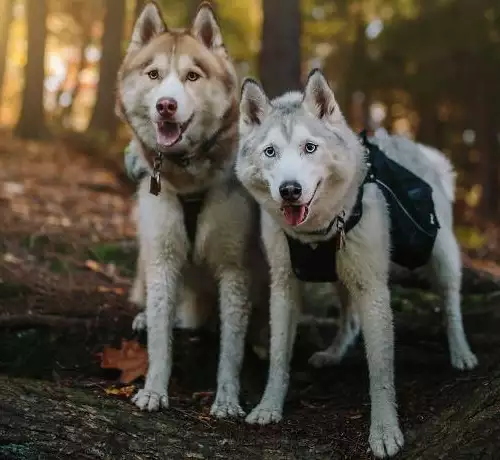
(167, 134)
(295, 215)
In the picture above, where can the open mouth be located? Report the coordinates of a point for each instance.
(296, 214)
(169, 133)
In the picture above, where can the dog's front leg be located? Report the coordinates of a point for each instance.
(373, 306)
(164, 243)
(162, 284)
(363, 268)
(234, 313)
(284, 310)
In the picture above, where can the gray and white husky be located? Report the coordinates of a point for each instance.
(305, 166)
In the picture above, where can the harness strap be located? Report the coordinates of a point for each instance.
(192, 205)
(318, 262)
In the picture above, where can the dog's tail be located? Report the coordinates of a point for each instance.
(444, 169)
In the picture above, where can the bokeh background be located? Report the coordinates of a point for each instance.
(425, 68)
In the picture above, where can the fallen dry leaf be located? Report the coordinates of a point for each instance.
(488, 266)
(115, 290)
(202, 394)
(110, 271)
(94, 266)
(13, 188)
(131, 359)
(11, 258)
(125, 392)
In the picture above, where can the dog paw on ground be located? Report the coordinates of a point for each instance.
(139, 323)
(324, 358)
(463, 360)
(264, 414)
(225, 409)
(150, 401)
(226, 403)
(386, 440)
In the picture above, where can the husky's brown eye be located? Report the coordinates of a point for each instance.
(192, 76)
(153, 75)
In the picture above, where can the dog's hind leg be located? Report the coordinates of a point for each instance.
(348, 331)
(446, 269)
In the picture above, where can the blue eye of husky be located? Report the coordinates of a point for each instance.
(310, 147)
(270, 152)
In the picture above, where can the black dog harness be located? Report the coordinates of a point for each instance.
(414, 224)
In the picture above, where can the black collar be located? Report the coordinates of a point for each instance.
(339, 220)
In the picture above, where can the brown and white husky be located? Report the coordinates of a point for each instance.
(178, 92)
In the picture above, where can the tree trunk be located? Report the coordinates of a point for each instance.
(31, 123)
(487, 143)
(139, 5)
(103, 118)
(192, 7)
(280, 57)
(356, 104)
(6, 7)
(428, 124)
(86, 40)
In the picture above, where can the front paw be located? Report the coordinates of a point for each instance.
(150, 401)
(264, 414)
(386, 439)
(463, 359)
(226, 408)
(226, 403)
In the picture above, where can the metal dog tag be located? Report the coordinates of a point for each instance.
(154, 181)
(155, 184)
(340, 243)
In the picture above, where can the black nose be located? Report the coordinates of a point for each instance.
(290, 190)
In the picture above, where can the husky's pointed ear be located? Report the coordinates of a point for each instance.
(254, 105)
(319, 99)
(148, 25)
(205, 27)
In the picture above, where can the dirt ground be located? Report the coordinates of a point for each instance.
(66, 258)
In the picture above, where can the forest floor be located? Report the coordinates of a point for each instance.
(67, 252)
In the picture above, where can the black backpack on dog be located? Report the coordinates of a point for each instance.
(414, 224)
